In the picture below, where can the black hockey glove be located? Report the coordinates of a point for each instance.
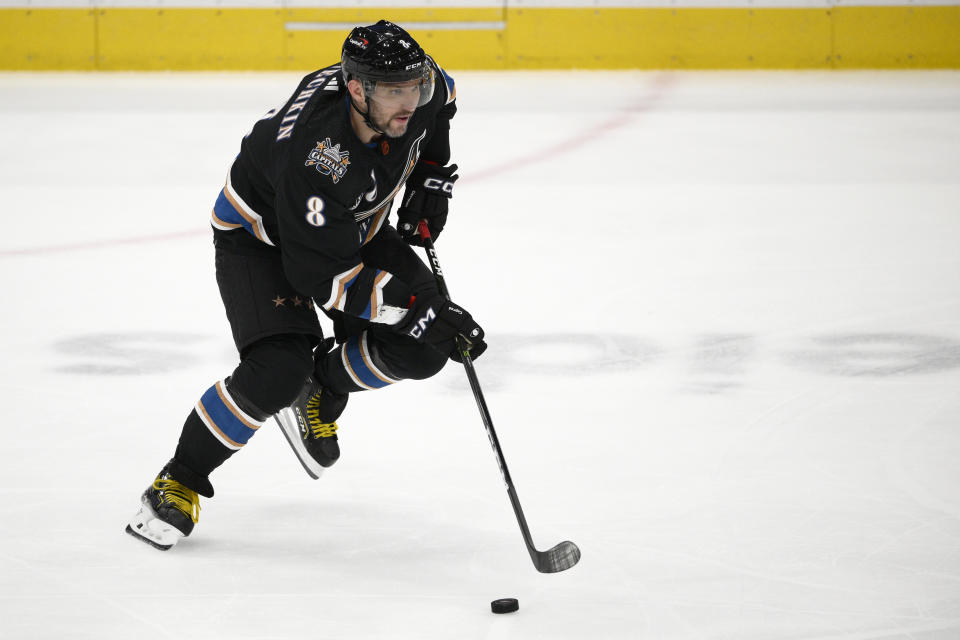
(429, 189)
(438, 322)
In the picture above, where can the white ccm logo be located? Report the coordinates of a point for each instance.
(435, 184)
(423, 323)
(435, 261)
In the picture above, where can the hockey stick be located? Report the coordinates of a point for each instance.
(561, 556)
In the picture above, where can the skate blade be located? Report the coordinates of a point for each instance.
(287, 420)
(147, 527)
(155, 545)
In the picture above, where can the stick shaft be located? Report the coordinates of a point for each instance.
(481, 403)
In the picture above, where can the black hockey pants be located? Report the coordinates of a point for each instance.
(275, 329)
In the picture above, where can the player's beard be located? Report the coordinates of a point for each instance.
(385, 120)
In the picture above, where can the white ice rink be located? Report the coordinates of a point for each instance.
(724, 323)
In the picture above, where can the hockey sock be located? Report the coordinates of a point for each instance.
(217, 427)
(373, 360)
(271, 373)
(349, 367)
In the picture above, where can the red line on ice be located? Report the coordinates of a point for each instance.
(567, 145)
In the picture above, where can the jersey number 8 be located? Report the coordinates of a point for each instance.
(314, 215)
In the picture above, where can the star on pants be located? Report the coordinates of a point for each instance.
(278, 301)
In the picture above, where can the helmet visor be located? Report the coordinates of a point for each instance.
(409, 94)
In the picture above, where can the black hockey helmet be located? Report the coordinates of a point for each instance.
(385, 53)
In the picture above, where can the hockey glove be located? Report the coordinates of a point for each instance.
(439, 322)
(427, 196)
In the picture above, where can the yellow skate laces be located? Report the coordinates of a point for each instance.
(174, 493)
(318, 428)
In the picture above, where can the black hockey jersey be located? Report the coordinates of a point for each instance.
(305, 183)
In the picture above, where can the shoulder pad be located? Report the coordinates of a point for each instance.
(448, 83)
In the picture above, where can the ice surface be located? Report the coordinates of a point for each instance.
(724, 318)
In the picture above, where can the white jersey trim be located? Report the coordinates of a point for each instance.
(254, 218)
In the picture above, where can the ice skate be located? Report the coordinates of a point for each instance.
(309, 425)
(168, 511)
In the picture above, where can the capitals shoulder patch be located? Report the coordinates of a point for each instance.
(329, 159)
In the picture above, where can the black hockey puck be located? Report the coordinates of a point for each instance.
(504, 605)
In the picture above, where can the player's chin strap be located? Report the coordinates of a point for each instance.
(366, 118)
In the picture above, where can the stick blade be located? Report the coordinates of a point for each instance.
(559, 558)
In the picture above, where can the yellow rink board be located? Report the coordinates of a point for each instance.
(847, 37)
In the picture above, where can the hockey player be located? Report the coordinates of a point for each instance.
(303, 220)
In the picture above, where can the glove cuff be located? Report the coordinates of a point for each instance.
(378, 296)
